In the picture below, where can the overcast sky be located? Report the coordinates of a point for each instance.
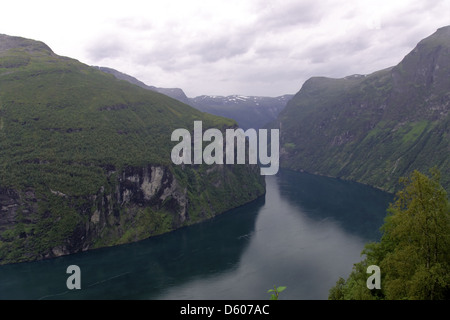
(247, 47)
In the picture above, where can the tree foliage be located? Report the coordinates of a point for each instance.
(414, 251)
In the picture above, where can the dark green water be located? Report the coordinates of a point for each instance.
(304, 234)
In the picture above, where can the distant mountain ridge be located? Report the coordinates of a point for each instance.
(374, 128)
(247, 111)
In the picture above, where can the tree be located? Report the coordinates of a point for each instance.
(414, 251)
(418, 229)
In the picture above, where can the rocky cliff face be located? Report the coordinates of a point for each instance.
(137, 191)
(374, 128)
(138, 203)
(86, 159)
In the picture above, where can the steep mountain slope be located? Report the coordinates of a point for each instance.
(374, 128)
(85, 159)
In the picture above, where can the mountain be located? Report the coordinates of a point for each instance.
(374, 128)
(86, 159)
(175, 93)
(247, 111)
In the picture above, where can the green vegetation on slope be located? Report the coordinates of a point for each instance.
(414, 251)
(68, 119)
(68, 135)
(376, 128)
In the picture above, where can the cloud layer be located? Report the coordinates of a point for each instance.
(260, 47)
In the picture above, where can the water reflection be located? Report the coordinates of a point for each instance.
(356, 208)
(306, 233)
(295, 243)
(139, 270)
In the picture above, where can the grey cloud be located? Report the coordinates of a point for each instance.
(166, 60)
(222, 47)
(269, 50)
(291, 15)
(282, 47)
(335, 48)
(157, 52)
(272, 74)
(106, 47)
(238, 41)
(171, 52)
